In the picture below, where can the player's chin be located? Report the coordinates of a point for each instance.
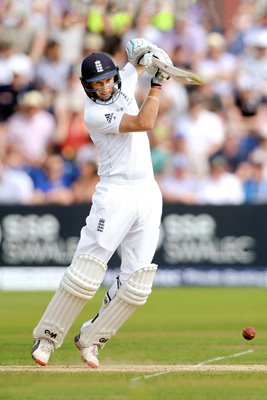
(105, 98)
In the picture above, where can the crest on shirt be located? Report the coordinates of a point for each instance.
(109, 117)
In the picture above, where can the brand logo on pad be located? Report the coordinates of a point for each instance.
(101, 225)
(51, 334)
(103, 340)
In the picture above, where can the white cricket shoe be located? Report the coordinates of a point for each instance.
(41, 351)
(88, 354)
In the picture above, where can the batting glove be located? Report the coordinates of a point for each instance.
(158, 79)
(147, 62)
(136, 49)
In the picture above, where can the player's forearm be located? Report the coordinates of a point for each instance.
(149, 110)
(146, 118)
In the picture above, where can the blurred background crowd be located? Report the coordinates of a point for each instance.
(209, 145)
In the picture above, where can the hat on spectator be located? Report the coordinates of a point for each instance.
(216, 40)
(93, 42)
(32, 99)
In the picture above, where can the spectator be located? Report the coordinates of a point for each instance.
(68, 108)
(16, 187)
(259, 154)
(241, 25)
(250, 103)
(70, 35)
(142, 27)
(30, 130)
(253, 62)
(16, 78)
(20, 28)
(179, 186)
(218, 67)
(159, 154)
(232, 152)
(92, 42)
(52, 182)
(189, 35)
(247, 97)
(74, 134)
(84, 186)
(52, 72)
(6, 51)
(221, 187)
(255, 185)
(203, 131)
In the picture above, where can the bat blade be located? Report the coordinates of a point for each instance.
(180, 75)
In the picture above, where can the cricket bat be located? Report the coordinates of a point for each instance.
(180, 75)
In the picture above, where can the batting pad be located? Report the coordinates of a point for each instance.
(131, 295)
(78, 285)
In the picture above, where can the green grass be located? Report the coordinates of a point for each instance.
(176, 326)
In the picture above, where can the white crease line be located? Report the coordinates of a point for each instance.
(138, 378)
(224, 357)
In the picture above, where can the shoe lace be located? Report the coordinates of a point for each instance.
(46, 346)
(94, 350)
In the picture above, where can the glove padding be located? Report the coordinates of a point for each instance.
(140, 51)
(146, 61)
(137, 48)
(158, 78)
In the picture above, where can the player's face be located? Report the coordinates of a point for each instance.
(104, 88)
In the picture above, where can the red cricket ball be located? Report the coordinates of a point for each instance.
(249, 333)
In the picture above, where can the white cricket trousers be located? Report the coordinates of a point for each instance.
(126, 214)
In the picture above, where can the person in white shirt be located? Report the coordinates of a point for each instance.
(179, 185)
(218, 67)
(202, 130)
(252, 64)
(30, 131)
(126, 206)
(221, 187)
(16, 186)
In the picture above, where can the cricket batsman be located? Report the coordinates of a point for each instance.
(126, 206)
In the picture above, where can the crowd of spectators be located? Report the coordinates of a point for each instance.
(209, 145)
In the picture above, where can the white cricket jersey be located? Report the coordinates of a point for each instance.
(121, 156)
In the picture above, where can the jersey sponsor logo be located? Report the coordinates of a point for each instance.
(109, 117)
(98, 66)
(101, 225)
